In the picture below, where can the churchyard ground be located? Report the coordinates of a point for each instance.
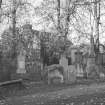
(90, 93)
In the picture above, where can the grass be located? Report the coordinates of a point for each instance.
(33, 88)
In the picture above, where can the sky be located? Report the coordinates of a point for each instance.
(5, 23)
(33, 20)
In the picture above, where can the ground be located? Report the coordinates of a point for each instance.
(72, 94)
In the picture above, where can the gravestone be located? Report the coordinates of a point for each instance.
(54, 74)
(64, 63)
(102, 75)
(79, 70)
(78, 64)
(78, 57)
(101, 49)
(99, 59)
(92, 69)
(71, 74)
(73, 58)
(21, 63)
(90, 60)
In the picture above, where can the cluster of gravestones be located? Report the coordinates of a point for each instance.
(83, 67)
(8, 65)
(70, 70)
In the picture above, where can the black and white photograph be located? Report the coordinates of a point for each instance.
(52, 52)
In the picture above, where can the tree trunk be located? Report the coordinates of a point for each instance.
(14, 28)
(0, 3)
(97, 19)
(0, 9)
(58, 11)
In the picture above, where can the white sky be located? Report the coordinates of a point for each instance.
(5, 24)
(32, 19)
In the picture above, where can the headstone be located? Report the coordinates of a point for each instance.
(84, 63)
(73, 59)
(54, 74)
(92, 72)
(78, 57)
(92, 69)
(69, 61)
(64, 63)
(21, 63)
(90, 61)
(79, 70)
(99, 59)
(71, 74)
(102, 75)
(101, 49)
(78, 63)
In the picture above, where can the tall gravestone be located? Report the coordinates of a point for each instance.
(78, 63)
(64, 63)
(21, 62)
(71, 74)
(92, 69)
(73, 59)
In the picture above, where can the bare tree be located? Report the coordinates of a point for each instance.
(0, 8)
(0, 3)
(12, 11)
(58, 10)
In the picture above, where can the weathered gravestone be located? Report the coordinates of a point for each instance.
(73, 58)
(64, 63)
(54, 73)
(78, 64)
(84, 64)
(79, 70)
(71, 74)
(99, 59)
(21, 63)
(92, 69)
